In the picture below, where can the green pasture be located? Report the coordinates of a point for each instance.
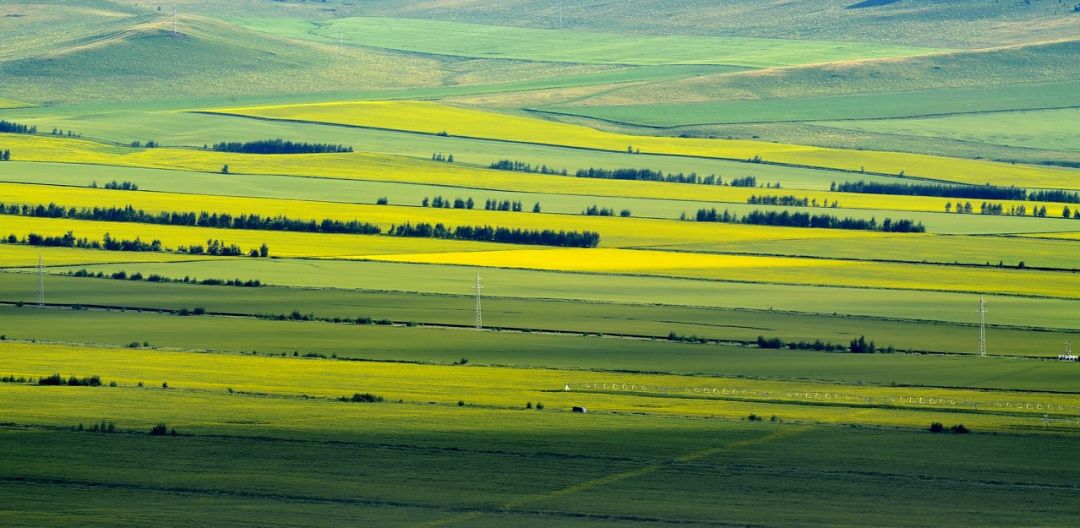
(947, 101)
(623, 289)
(563, 316)
(1042, 129)
(481, 41)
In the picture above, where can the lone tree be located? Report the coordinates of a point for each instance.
(225, 169)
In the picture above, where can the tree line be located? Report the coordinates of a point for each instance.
(153, 277)
(630, 174)
(790, 201)
(546, 237)
(116, 186)
(823, 221)
(989, 192)
(280, 146)
(201, 219)
(594, 210)
(11, 127)
(521, 166)
(987, 208)
(109, 243)
(439, 202)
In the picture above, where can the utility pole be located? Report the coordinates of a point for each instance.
(982, 326)
(341, 41)
(174, 31)
(41, 281)
(479, 313)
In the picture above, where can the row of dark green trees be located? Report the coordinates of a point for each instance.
(109, 243)
(546, 237)
(824, 221)
(983, 192)
(202, 219)
(283, 223)
(11, 127)
(280, 146)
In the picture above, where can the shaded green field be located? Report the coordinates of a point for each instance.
(655, 321)
(450, 466)
(855, 106)
(1043, 129)
(474, 40)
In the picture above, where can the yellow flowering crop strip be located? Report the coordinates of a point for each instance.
(434, 118)
(780, 270)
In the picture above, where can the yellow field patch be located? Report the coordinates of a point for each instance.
(434, 118)
(780, 270)
(613, 231)
(20, 256)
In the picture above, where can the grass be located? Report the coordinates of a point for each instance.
(566, 316)
(1043, 129)
(965, 100)
(624, 289)
(432, 118)
(478, 41)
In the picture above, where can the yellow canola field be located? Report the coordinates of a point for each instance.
(389, 168)
(613, 231)
(20, 256)
(1057, 236)
(434, 118)
(202, 375)
(282, 244)
(778, 270)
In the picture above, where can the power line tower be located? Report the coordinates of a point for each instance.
(982, 326)
(41, 281)
(479, 313)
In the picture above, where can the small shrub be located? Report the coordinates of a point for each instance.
(366, 397)
(774, 418)
(754, 418)
(159, 430)
(113, 384)
(936, 427)
(528, 405)
(140, 384)
(960, 429)
(461, 403)
(164, 384)
(539, 406)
